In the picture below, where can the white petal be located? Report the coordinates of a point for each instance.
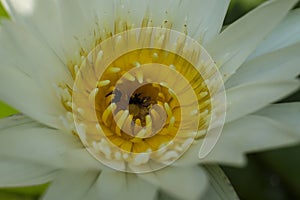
(190, 157)
(42, 20)
(71, 185)
(232, 157)
(80, 160)
(219, 187)
(35, 142)
(204, 17)
(160, 11)
(16, 120)
(65, 26)
(26, 97)
(285, 113)
(102, 11)
(231, 48)
(119, 185)
(250, 134)
(15, 173)
(137, 11)
(180, 182)
(25, 7)
(248, 98)
(76, 22)
(28, 72)
(22, 50)
(77, 28)
(285, 34)
(282, 64)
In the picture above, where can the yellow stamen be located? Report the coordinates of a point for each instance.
(103, 83)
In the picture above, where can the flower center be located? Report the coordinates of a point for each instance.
(142, 97)
(140, 104)
(139, 114)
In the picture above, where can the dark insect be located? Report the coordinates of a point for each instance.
(139, 107)
(140, 101)
(117, 94)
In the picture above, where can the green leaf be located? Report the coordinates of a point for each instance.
(25, 193)
(12, 196)
(29, 191)
(3, 13)
(6, 110)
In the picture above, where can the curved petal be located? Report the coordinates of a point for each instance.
(16, 173)
(285, 113)
(285, 34)
(16, 120)
(119, 185)
(30, 101)
(34, 142)
(28, 72)
(65, 26)
(204, 18)
(248, 98)
(219, 187)
(190, 157)
(33, 14)
(278, 65)
(70, 185)
(106, 13)
(184, 183)
(232, 47)
(250, 134)
(80, 160)
(22, 50)
(207, 18)
(78, 28)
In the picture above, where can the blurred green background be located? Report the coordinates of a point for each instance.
(272, 175)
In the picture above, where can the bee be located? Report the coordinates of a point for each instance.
(140, 101)
(139, 106)
(117, 95)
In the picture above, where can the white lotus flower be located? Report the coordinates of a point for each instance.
(46, 48)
